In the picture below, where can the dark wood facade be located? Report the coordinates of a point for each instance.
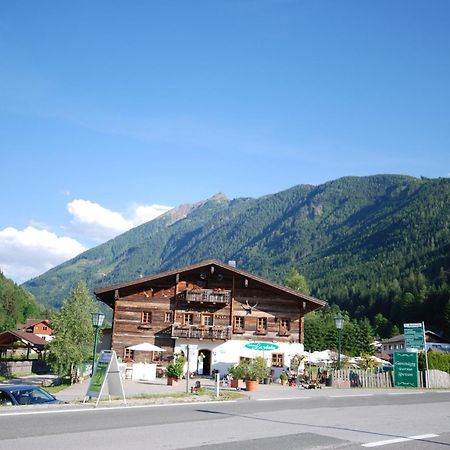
(205, 301)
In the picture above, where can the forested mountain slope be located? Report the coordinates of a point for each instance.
(16, 305)
(378, 246)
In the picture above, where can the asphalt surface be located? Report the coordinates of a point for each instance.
(274, 416)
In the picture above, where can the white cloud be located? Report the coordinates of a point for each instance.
(99, 223)
(27, 253)
(145, 213)
(32, 251)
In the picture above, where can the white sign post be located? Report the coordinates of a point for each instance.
(106, 369)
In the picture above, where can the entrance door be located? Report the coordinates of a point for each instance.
(204, 362)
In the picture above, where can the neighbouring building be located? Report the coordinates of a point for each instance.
(40, 327)
(397, 343)
(222, 313)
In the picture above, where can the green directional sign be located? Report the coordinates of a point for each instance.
(406, 369)
(413, 336)
(261, 346)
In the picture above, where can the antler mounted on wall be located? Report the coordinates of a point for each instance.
(248, 308)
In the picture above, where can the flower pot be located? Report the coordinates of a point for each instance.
(172, 381)
(234, 383)
(251, 385)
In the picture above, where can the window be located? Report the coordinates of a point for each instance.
(146, 317)
(277, 360)
(207, 319)
(239, 322)
(128, 354)
(168, 317)
(188, 319)
(285, 326)
(261, 324)
(44, 327)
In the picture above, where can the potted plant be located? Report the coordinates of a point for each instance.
(175, 370)
(253, 371)
(237, 374)
(283, 378)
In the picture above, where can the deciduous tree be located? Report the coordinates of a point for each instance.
(73, 332)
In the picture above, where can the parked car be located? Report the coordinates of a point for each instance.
(24, 394)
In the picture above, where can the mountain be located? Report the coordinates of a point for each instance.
(16, 304)
(361, 242)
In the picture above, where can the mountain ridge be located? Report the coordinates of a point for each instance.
(341, 235)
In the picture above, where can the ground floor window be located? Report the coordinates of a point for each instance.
(277, 360)
(128, 355)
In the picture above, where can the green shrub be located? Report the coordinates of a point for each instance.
(175, 369)
(436, 360)
(255, 369)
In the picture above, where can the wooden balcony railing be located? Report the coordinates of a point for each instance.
(201, 332)
(206, 295)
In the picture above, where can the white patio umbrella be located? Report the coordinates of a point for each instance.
(146, 347)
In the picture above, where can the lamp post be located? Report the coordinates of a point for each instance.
(339, 321)
(97, 322)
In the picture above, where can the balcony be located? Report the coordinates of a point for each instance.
(206, 296)
(201, 332)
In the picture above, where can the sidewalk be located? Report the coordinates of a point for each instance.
(134, 388)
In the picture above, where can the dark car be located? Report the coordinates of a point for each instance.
(24, 394)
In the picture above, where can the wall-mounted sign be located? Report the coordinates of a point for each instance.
(261, 346)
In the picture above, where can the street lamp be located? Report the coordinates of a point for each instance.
(339, 321)
(97, 322)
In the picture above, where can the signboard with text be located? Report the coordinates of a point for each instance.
(261, 346)
(106, 370)
(413, 336)
(406, 369)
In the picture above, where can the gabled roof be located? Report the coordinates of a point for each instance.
(32, 322)
(106, 294)
(10, 336)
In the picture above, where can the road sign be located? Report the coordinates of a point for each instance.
(413, 336)
(406, 369)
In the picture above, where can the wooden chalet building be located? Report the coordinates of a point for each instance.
(222, 312)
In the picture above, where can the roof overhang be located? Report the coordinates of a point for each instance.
(108, 294)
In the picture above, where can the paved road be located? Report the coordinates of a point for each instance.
(332, 419)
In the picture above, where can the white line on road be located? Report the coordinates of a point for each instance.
(351, 395)
(405, 393)
(397, 440)
(279, 398)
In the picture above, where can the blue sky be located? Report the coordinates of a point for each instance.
(111, 108)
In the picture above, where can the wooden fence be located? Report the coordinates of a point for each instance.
(351, 378)
(436, 379)
(361, 378)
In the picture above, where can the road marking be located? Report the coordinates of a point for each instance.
(397, 440)
(279, 398)
(351, 395)
(405, 393)
(109, 408)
